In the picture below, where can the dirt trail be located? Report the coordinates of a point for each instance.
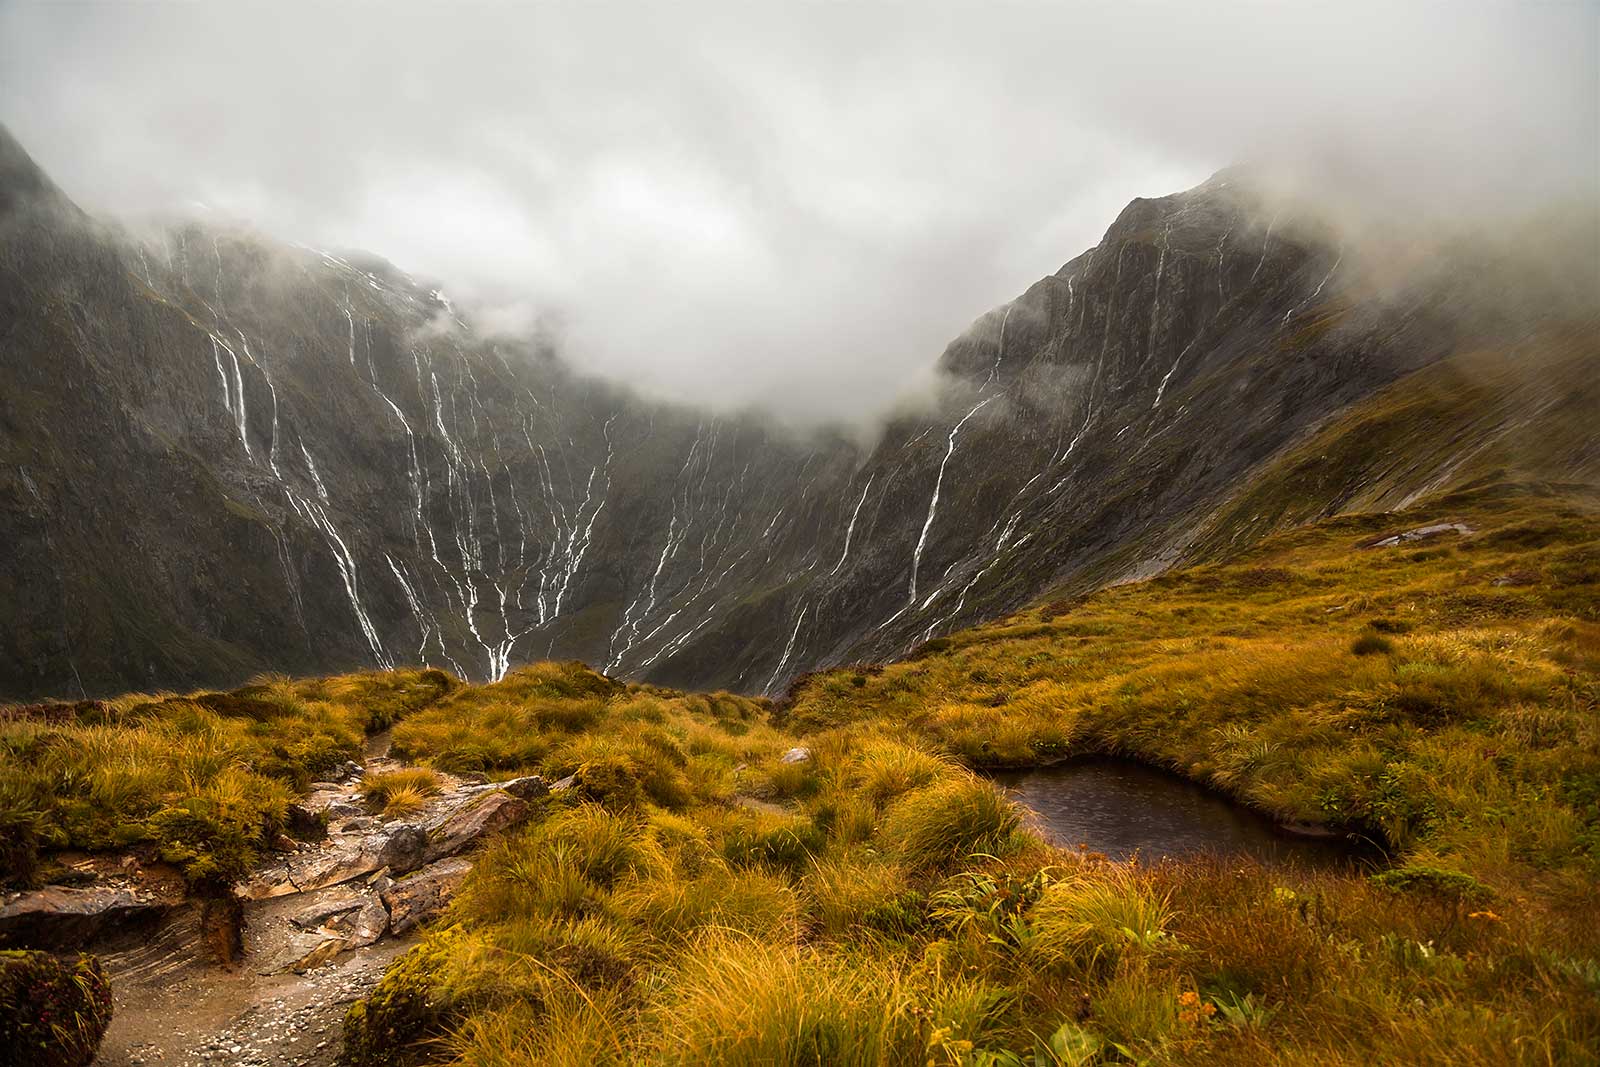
(173, 1007)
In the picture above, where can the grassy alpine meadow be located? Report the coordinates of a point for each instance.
(695, 898)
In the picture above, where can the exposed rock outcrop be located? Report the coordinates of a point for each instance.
(370, 878)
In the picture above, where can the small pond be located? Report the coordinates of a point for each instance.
(1120, 808)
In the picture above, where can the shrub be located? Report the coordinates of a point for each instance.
(569, 716)
(1434, 884)
(24, 825)
(990, 906)
(847, 817)
(407, 1006)
(624, 773)
(884, 770)
(1435, 898)
(52, 1014)
(606, 845)
(754, 902)
(612, 781)
(405, 800)
(945, 823)
(850, 892)
(571, 1028)
(212, 836)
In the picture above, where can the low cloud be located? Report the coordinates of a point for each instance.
(729, 206)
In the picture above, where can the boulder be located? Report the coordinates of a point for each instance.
(420, 897)
(325, 911)
(324, 952)
(799, 754)
(405, 848)
(530, 787)
(458, 827)
(369, 923)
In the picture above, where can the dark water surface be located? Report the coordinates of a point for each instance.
(1121, 808)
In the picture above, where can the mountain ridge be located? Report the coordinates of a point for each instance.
(303, 461)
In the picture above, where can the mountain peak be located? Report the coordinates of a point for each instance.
(21, 179)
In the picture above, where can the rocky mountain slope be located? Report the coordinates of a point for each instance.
(221, 455)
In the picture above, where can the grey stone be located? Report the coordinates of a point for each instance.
(406, 848)
(371, 922)
(1423, 533)
(320, 913)
(461, 826)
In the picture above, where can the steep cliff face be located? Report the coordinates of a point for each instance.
(221, 455)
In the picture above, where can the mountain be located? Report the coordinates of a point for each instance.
(221, 454)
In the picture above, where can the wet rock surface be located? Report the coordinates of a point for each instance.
(56, 917)
(1423, 533)
(321, 924)
(416, 899)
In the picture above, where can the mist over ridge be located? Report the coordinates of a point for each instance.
(797, 211)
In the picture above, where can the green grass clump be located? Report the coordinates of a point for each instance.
(744, 1002)
(1371, 644)
(400, 792)
(786, 842)
(951, 821)
(1093, 920)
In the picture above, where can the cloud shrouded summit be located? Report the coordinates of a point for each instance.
(795, 209)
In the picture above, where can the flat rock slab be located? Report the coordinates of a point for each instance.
(1423, 533)
(57, 917)
(454, 830)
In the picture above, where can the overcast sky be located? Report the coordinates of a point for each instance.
(794, 205)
